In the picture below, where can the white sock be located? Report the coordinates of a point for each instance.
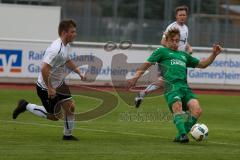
(68, 125)
(151, 87)
(142, 93)
(37, 110)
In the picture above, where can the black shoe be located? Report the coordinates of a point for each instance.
(184, 138)
(21, 107)
(138, 100)
(70, 138)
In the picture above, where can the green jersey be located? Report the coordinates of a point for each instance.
(173, 65)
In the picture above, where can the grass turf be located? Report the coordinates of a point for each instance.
(125, 133)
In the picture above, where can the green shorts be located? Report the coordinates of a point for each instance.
(183, 94)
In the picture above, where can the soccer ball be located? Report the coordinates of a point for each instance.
(199, 132)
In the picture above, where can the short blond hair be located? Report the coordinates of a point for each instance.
(172, 32)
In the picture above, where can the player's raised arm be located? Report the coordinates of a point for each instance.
(75, 69)
(217, 49)
(138, 74)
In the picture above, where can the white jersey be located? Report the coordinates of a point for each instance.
(183, 34)
(56, 55)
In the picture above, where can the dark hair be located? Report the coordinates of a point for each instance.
(172, 32)
(64, 25)
(181, 8)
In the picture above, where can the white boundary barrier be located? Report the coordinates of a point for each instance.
(20, 62)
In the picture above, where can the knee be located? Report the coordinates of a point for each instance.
(177, 107)
(69, 107)
(53, 117)
(197, 111)
(195, 108)
(72, 106)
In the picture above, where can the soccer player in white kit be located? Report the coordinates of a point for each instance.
(181, 13)
(51, 89)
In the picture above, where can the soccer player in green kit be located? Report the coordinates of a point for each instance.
(173, 65)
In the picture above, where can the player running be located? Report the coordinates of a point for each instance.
(51, 88)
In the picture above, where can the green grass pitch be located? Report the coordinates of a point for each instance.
(119, 134)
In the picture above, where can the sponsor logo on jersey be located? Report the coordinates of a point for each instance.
(177, 97)
(178, 62)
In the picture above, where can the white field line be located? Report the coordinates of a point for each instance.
(107, 131)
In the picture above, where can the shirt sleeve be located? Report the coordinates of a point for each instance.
(155, 56)
(50, 56)
(192, 61)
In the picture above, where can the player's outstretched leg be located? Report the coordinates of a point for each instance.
(143, 93)
(195, 113)
(21, 107)
(139, 99)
